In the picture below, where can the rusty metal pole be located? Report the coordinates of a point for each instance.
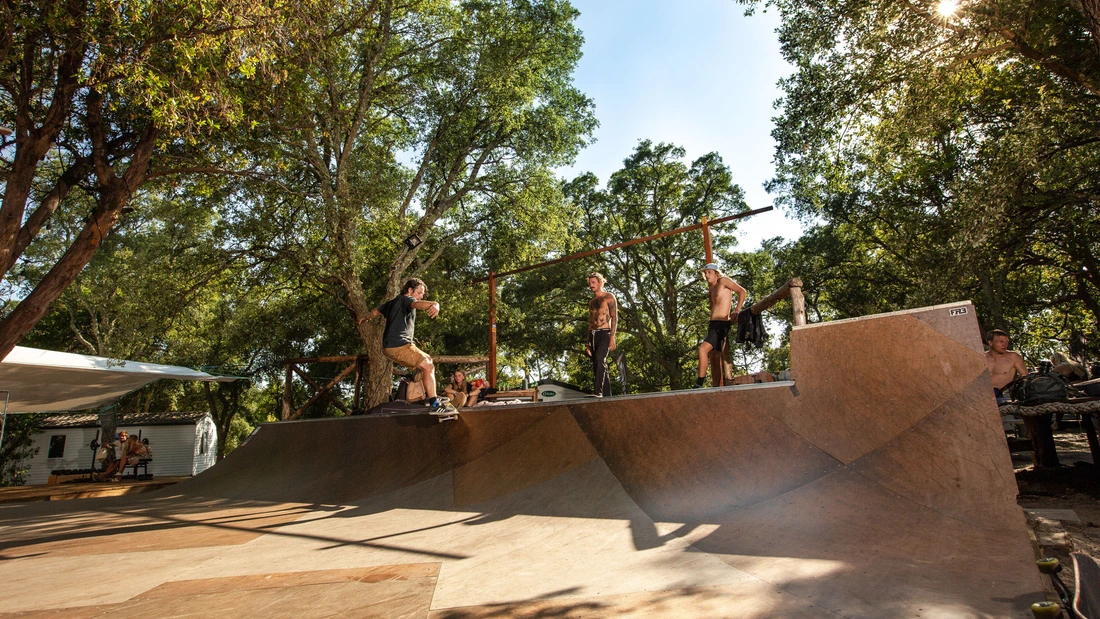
(706, 240)
(492, 330)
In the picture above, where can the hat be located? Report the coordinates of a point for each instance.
(711, 266)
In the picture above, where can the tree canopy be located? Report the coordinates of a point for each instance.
(943, 156)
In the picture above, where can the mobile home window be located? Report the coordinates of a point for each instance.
(203, 442)
(57, 446)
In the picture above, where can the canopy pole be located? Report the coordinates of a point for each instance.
(4, 418)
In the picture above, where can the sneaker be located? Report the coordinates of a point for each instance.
(440, 404)
(696, 386)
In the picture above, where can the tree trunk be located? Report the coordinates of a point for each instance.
(223, 408)
(1091, 10)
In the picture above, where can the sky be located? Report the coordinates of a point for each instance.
(695, 73)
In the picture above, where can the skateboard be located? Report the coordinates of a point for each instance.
(445, 412)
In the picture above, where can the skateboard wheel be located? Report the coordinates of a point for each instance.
(1046, 610)
(1049, 565)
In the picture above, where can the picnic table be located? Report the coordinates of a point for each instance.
(1037, 419)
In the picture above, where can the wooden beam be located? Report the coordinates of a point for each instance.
(337, 359)
(323, 391)
(459, 359)
(769, 301)
(653, 237)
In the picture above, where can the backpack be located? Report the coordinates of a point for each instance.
(1040, 388)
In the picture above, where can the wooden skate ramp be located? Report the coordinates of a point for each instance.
(876, 484)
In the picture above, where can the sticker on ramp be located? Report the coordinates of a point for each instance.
(958, 311)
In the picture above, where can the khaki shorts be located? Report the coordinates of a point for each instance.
(459, 400)
(408, 355)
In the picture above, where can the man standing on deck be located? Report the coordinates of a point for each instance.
(397, 339)
(603, 321)
(721, 300)
(1004, 365)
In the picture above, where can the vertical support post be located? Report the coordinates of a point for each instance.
(707, 248)
(288, 393)
(719, 367)
(798, 304)
(359, 367)
(492, 371)
(1090, 432)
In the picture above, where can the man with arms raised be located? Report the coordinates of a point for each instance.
(1004, 365)
(397, 339)
(721, 301)
(603, 321)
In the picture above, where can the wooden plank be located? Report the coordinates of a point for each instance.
(652, 237)
(337, 359)
(769, 301)
(323, 391)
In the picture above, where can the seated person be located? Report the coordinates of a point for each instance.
(1067, 367)
(1072, 371)
(132, 452)
(462, 392)
(107, 455)
(412, 390)
(1004, 365)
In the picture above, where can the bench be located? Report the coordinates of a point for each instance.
(142, 464)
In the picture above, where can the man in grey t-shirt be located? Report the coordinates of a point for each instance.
(397, 339)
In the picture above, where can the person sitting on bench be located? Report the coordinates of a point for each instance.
(462, 392)
(132, 452)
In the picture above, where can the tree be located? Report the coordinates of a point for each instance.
(476, 94)
(941, 157)
(122, 94)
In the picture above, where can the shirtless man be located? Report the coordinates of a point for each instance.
(1004, 365)
(603, 321)
(721, 300)
(397, 339)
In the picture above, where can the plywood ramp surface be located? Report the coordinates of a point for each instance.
(876, 484)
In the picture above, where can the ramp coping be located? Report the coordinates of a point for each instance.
(915, 310)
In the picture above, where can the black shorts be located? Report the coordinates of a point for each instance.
(716, 333)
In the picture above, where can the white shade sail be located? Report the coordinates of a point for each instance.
(44, 380)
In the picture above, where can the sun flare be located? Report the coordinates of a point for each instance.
(947, 8)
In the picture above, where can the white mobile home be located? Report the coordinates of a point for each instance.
(182, 443)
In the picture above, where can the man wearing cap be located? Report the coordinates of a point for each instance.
(721, 300)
